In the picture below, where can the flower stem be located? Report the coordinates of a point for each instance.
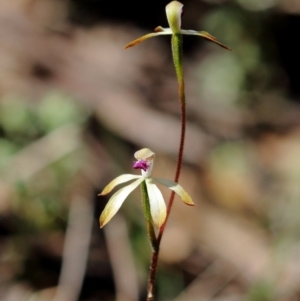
(178, 64)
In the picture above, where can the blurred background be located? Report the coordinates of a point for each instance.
(75, 106)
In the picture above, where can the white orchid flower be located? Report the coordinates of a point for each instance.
(145, 160)
(174, 11)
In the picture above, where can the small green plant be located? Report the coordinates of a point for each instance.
(155, 209)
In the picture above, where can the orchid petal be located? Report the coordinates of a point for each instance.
(157, 204)
(185, 197)
(158, 32)
(174, 12)
(204, 35)
(116, 201)
(144, 154)
(117, 181)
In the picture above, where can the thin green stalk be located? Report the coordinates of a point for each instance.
(178, 63)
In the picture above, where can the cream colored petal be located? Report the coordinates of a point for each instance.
(116, 201)
(117, 181)
(204, 35)
(148, 36)
(157, 204)
(185, 197)
(144, 153)
(174, 12)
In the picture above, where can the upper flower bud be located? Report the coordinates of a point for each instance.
(174, 11)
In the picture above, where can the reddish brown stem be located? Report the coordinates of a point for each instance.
(155, 253)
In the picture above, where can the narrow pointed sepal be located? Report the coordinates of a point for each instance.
(184, 196)
(204, 35)
(157, 204)
(116, 201)
(213, 39)
(117, 181)
(158, 32)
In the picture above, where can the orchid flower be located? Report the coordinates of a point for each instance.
(174, 11)
(152, 200)
(145, 160)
